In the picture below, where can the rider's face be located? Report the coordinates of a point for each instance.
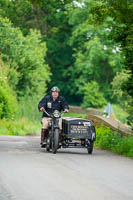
(55, 95)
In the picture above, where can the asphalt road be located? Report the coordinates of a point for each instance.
(28, 172)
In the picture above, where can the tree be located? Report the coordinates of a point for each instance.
(121, 96)
(92, 96)
(51, 18)
(26, 58)
(97, 56)
(122, 12)
(8, 102)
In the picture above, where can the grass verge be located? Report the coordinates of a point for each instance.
(21, 126)
(74, 115)
(110, 140)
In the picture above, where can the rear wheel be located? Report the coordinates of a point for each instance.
(90, 147)
(55, 141)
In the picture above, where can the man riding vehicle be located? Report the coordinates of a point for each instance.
(50, 103)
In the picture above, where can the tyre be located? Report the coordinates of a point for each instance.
(55, 141)
(48, 144)
(90, 147)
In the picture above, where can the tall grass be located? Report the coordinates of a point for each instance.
(27, 120)
(21, 126)
(29, 109)
(111, 140)
(120, 113)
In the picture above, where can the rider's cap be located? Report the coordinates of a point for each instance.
(55, 89)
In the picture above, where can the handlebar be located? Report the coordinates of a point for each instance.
(47, 113)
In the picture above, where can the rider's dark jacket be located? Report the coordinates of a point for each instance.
(50, 105)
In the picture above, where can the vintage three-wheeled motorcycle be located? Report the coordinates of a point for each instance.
(76, 133)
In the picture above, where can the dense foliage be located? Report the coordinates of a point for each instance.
(110, 140)
(84, 46)
(21, 126)
(8, 102)
(92, 96)
(28, 72)
(23, 70)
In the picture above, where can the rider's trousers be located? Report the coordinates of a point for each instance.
(46, 121)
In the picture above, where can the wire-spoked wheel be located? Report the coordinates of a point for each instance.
(55, 141)
(48, 144)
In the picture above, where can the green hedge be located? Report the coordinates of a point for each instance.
(8, 101)
(110, 140)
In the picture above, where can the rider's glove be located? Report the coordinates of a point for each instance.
(42, 109)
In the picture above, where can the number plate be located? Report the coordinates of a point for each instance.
(78, 129)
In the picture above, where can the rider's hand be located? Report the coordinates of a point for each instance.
(66, 110)
(42, 109)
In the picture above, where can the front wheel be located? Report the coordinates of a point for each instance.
(90, 147)
(48, 144)
(55, 141)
